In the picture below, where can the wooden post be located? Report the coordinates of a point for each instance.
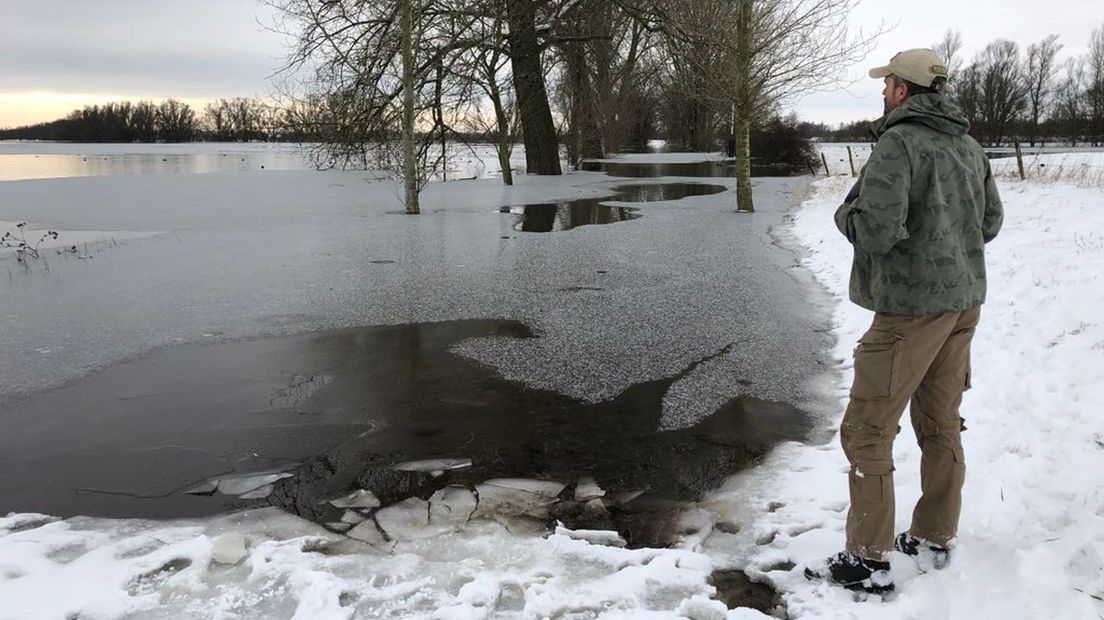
(825, 161)
(812, 170)
(851, 160)
(1019, 161)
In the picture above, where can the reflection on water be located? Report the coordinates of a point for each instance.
(550, 217)
(656, 192)
(48, 166)
(29, 160)
(713, 168)
(340, 409)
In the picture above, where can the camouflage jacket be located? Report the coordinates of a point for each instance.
(921, 213)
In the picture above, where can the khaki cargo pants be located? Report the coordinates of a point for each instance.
(925, 361)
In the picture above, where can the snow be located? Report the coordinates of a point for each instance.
(1031, 543)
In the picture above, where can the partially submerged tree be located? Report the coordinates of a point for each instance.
(773, 51)
(376, 75)
(542, 151)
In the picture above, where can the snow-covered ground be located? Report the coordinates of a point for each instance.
(1031, 543)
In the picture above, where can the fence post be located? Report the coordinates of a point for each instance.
(851, 160)
(1019, 161)
(825, 161)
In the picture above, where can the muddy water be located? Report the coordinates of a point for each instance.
(550, 217)
(338, 409)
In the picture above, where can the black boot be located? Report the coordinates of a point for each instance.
(926, 553)
(854, 573)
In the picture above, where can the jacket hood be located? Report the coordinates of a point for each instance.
(929, 109)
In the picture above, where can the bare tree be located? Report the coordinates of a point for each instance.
(1038, 72)
(486, 68)
(1094, 87)
(375, 76)
(603, 51)
(997, 74)
(698, 37)
(791, 47)
(542, 150)
(948, 49)
(176, 121)
(1069, 105)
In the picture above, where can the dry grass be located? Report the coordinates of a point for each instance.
(1078, 169)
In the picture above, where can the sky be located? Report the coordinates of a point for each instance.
(59, 55)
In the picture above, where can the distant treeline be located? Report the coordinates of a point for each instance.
(230, 120)
(1012, 95)
(226, 120)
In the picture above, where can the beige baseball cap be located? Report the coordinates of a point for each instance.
(919, 66)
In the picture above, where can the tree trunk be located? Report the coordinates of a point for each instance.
(410, 168)
(439, 112)
(542, 150)
(503, 122)
(743, 108)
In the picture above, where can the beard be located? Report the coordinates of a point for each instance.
(887, 107)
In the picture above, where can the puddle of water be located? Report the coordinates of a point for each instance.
(549, 217)
(338, 410)
(656, 192)
(716, 168)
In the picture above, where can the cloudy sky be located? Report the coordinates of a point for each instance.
(58, 55)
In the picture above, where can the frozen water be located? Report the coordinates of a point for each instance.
(229, 548)
(359, 498)
(451, 506)
(240, 485)
(253, 254)
(514, 497)
(587, 489)
(405, 520)
(432, 465)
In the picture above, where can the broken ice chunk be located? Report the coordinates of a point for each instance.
(432, 465)
(360, 498)
(451, 506)
(547, 488)
(405, 520)
(370, 533)
(228, 548)
(238, 485)
(352, 517)
(587, 489)
(206, 487)
(594, 537)
(517, 497)
(260, 493)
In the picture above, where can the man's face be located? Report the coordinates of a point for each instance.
(894, 93)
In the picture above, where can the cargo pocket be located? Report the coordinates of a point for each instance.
(877, 361)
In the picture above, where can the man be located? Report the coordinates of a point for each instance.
(919, 217)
